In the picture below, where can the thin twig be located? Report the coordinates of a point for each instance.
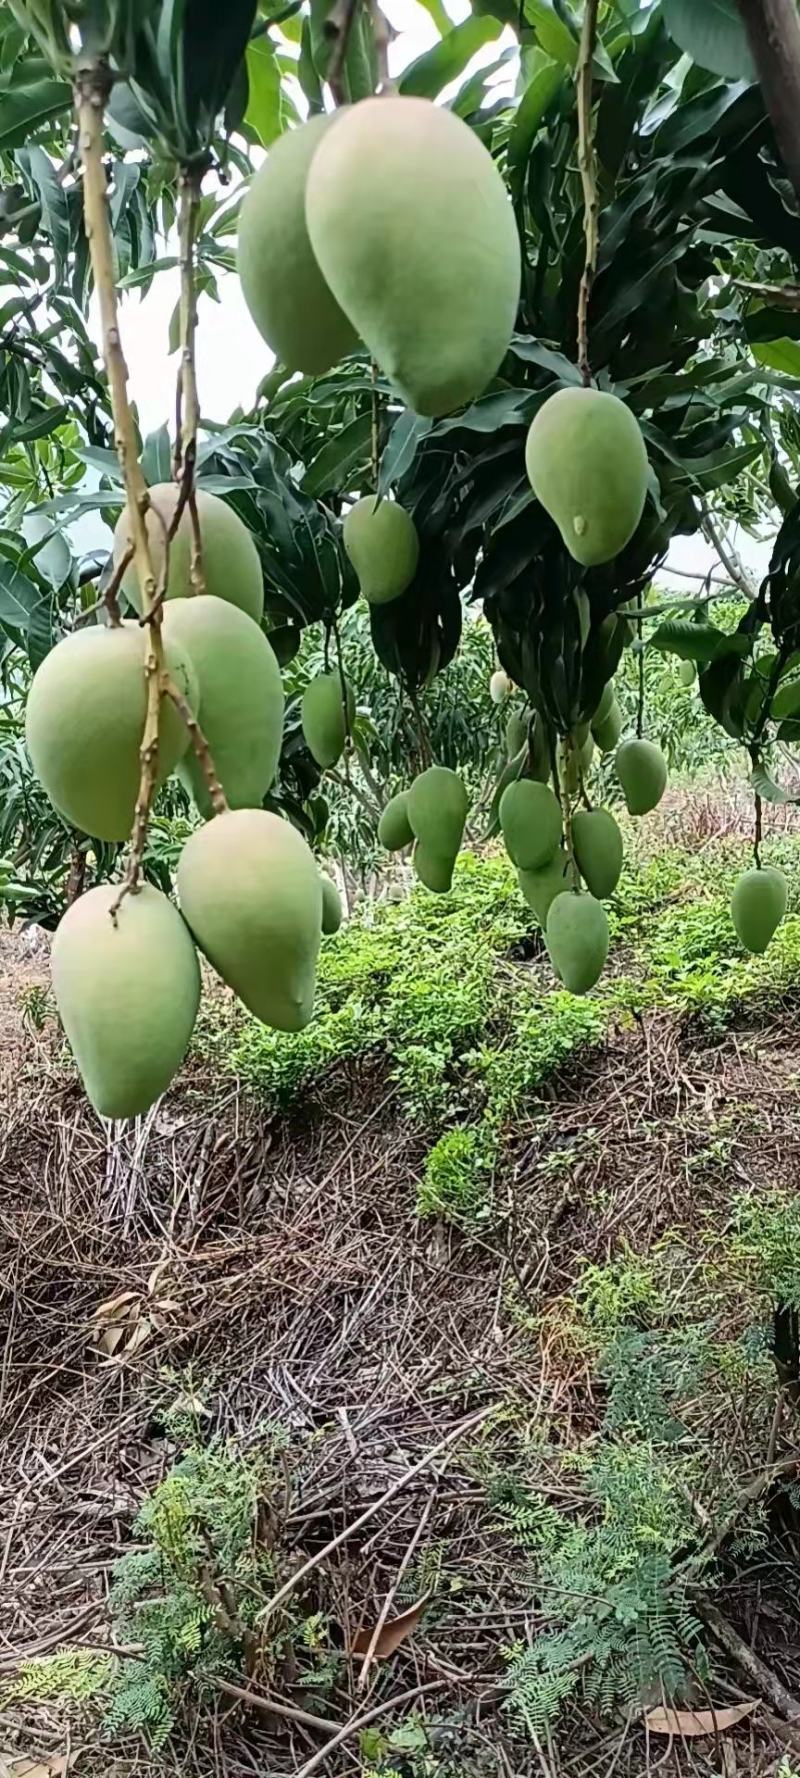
(92, 88)
(187, 404)
(761, 1676)
(451, 1438)
(337, 30)
(274, 1706)
(362, 1718)
(587, 162)
(216, 793)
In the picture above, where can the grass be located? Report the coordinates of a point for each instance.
(470, 1034)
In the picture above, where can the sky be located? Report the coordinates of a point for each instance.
(232, 358)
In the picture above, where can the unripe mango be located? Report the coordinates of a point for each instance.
(250, 891)
(322, 713)
(433, 869)
(607, 730)
(642, 772)
(577, 941)
(758, 904)
(587, 465)
(240, 698)
(606, 704)
(437, 807)
(530, 816)
(231, 565)
(394, 828)
(412, 228)
(84, 722)
(597, 843)
(283, 286)
(687, 673)
(382, 543)
(127, 991)
(540, 887)
(499, 686)
(332, 912)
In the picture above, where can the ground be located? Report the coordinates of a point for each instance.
(474, 1408)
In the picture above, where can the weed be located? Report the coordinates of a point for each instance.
(457, 1178)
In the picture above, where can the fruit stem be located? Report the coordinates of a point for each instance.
(587, 162)
(91, 91)
(337, 29)
(187, 405)
(570, 752)
(348, 737)
(640, 697)
(375, 430)
(218, 799)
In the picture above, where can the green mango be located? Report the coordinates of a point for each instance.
(687, 673)
(516, 735)
(577, 941)
(285, 291)
(499, 686)
(587, 465)
(530, 816)
(758, 904)
(240, 698)
(607, 730)
(394, 828)
(411, 226)
(434, 869)
(597, 844)
(642, 771)
(606, 704)
(127, 990)
(540, 887)
(322, 713)
(84, 721)
(437, 807)
(251, 892)
(231, 563)
(382, 544)
(332, 911)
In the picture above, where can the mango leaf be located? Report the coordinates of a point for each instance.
(25, 610)
(765, 787)
(554, 36)
(713, 34)
(425, 77)
(263, 112)
(532, 352)
(157, 457)
(38, 170)
(696, 642)
(683, 1723)
(332, 465)
(535, 102)
(438, 15)
(404, 440)
(24, 109)
(782, 355)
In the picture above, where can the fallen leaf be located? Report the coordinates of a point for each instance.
(20, 1767)
(392, 1633)
(681, 1723)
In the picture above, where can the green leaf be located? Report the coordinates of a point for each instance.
(156, 458)
(331, 467)
(765, 786)
(438, 14)
(531, 352)
(712, 33)
(554, 36)
(402, 445)
(696, 642)
(425, 78)
(24, 109)
(533, 107)
(38, 170)
(782, 355)
(26, 610)
(263, 112)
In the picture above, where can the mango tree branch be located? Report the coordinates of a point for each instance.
(92, 88)
(187, 403)
(773, 33)
(587, 162)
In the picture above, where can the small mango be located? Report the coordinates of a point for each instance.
(608, 728)
(758, 904)
(381, 541)
(332, 911)
(540, 887)
(576, 936)
(437, 806)
(322, 713)
(433, 869)
(394, 828)
(642, 771)
(127, 989)
(587, 465)
(530, 816)
(597, 843)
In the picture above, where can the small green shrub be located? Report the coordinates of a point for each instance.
(625, 1290)
(456, 1182)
